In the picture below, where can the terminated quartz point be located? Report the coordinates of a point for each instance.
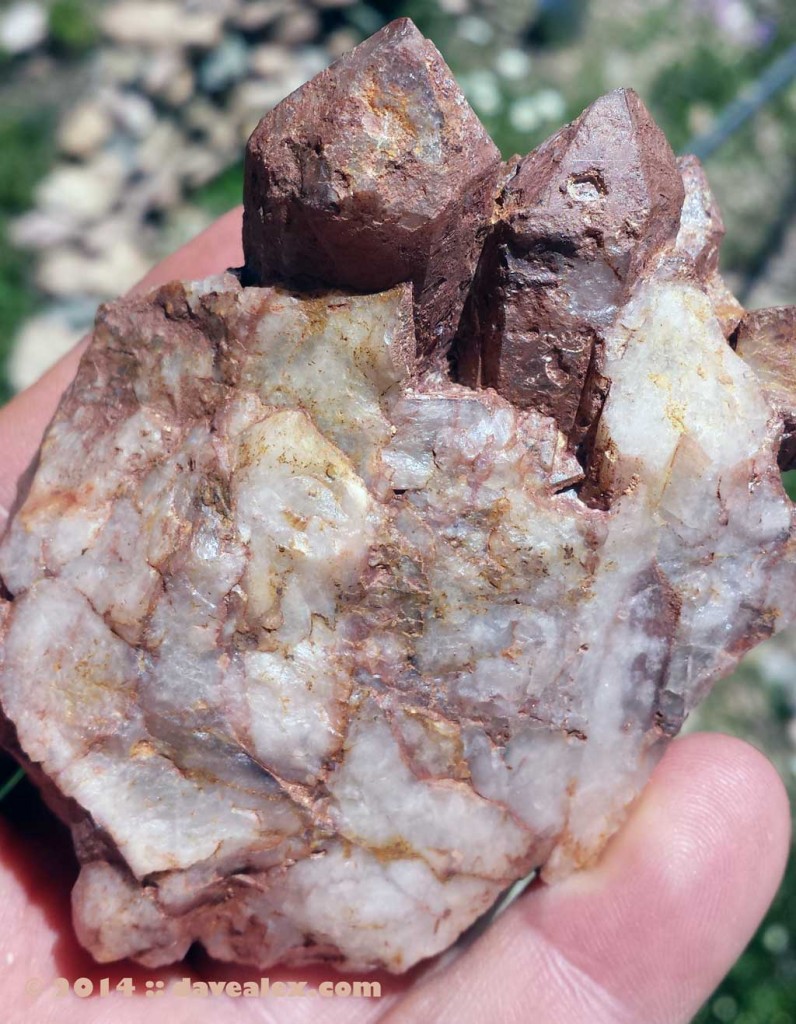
(579, 218)
(374, 173)
(318, 644)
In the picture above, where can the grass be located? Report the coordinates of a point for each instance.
(73, 27)
(222, 193)
(26, 145)
(761, 987)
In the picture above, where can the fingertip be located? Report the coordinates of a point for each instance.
(731, 809)
(682, 887)
(648, 932)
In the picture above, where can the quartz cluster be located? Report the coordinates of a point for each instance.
(356, 584)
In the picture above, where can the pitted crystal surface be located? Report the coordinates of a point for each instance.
(375, 172)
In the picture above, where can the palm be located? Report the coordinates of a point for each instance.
(643, 936)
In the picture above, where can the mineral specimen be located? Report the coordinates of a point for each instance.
(316, 646)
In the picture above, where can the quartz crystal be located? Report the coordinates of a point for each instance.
(352, 586)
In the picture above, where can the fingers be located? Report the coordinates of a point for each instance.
(38, 947)
(642, 938)
(647, 934)
(23, 420)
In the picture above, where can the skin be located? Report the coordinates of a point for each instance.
(642, 936)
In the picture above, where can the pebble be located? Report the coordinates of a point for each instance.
(162, 144)
(83, 193)
(159, 23)
(121, 65)
(43, 229)
(23, 27)
(270, 59)
(482, 90)
(513, 64)
(70, 271)
(84, 130)
(133, 113)
(259, 14)
(41, 342)
(475, 30)
(212, 126)
(341, 42)
(225, 65)
(297, 27)
(199, 165)
(183, 222)
(157, 192)
(251, 101)
(167, 76)
(527, 113)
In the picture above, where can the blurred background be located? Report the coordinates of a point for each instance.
(122, 127)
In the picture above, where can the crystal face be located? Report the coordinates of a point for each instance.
(318, 640)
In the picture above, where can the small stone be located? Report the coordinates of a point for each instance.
(154, 193)
(766, 340)
(71, 272)
(513, 64)
(84, 130)
(38, 346)
(204, 120)
(271, 59)
(44, 229)
(83, 193)
(183, 222)
(225, 65)
(257, 15)
(375, 172)
(250, 99)
(168, 77)
(161, 148)
(23, 27)
(132, 112)
(341, 41)
(297, 27)
(159, 23)
(159, 158)
(122, 65)
(199, 165)
(577, 220)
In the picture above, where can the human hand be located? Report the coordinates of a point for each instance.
(641, 938)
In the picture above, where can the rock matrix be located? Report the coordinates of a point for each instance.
(356, 584)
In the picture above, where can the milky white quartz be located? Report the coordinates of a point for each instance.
(328, 654)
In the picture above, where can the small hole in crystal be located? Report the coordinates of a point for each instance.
(789, 483)
(586, 187)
